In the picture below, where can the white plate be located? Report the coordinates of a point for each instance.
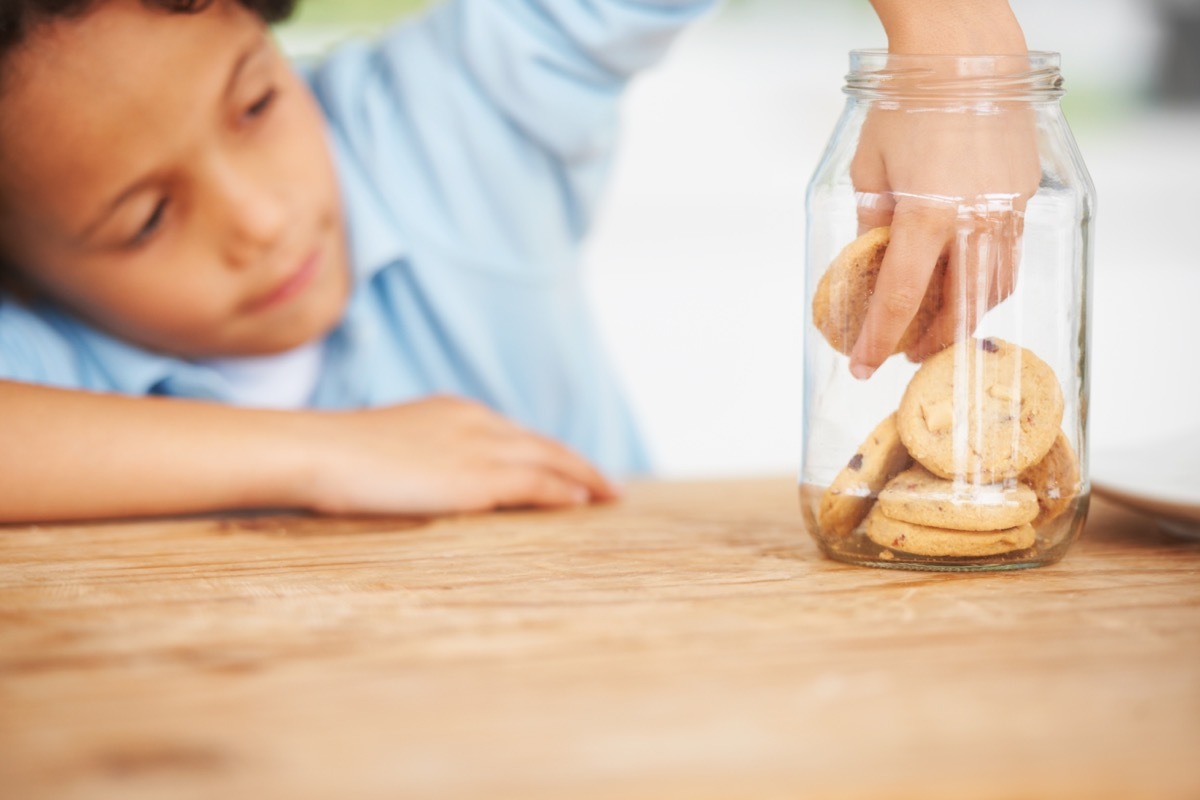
(1161, 478)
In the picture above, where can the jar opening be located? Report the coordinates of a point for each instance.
(880, 74)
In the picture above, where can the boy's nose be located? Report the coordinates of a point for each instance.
(255, 219)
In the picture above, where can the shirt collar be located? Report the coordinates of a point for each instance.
(133, 370)
(372, 234)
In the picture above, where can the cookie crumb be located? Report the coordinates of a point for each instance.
(886, 555)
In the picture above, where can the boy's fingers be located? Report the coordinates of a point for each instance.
(1004, 282)
(874, 210)
(1009, 257)
(982, 274)
(873, 201)
(969, 288)
(514, 450)
(528, 486)
(541, 452)
(917, 240)
(575, 467)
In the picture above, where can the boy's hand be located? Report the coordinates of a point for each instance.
(944, 180)
(443, 455)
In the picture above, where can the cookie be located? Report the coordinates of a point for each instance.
(844, 293)
(1055, 480)
(981, 411)
(920, 497)
(852, 493)
(923, 540)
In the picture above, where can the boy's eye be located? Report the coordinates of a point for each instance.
(261, 104)
(151, 224)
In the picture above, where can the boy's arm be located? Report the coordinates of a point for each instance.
(497, 121)
(904, 160)
(557, 68)
(76, 455)
(950, 27)
(70, 454)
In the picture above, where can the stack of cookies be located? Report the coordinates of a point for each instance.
(971, 464)
(973, 461)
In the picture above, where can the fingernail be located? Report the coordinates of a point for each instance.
(581, 496)
(861, 371)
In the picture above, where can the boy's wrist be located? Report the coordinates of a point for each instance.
(293, 447)
(950, 27)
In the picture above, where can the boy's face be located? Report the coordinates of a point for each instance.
(166, 177)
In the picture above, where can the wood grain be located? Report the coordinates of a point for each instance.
(688, 642)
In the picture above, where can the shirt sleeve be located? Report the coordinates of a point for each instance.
(496, 120)
(556, 68)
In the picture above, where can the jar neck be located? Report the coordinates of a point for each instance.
(877, 74)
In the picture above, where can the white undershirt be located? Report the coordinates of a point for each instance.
(281, 381)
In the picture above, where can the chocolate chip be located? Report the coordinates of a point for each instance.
(989, 346)
(856, 462)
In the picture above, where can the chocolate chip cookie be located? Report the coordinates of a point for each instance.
(981, 411)
(920, 497)
(852, 493)
(924, 540)
(1055, 479)
(844, 293)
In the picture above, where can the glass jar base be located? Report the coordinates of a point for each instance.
(1053, 539)
(915, 564)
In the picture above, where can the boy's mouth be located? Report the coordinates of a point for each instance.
(290, 286)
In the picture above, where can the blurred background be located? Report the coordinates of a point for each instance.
(697, 263)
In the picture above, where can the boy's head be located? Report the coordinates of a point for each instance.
(164, 174)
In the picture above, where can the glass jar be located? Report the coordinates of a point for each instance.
(967, 448)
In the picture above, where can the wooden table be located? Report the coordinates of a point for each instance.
(688, 642)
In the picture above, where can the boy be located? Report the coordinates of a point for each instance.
(230, 286)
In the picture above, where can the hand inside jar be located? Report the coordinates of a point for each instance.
(948, 175)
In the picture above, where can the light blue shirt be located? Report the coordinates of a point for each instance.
(472, 145)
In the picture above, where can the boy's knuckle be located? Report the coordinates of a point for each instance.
(914, 214)
(901, 301)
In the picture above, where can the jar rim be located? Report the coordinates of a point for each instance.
(877, 73)
(1041, 57)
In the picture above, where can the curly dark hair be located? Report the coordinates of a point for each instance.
(18, 17)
